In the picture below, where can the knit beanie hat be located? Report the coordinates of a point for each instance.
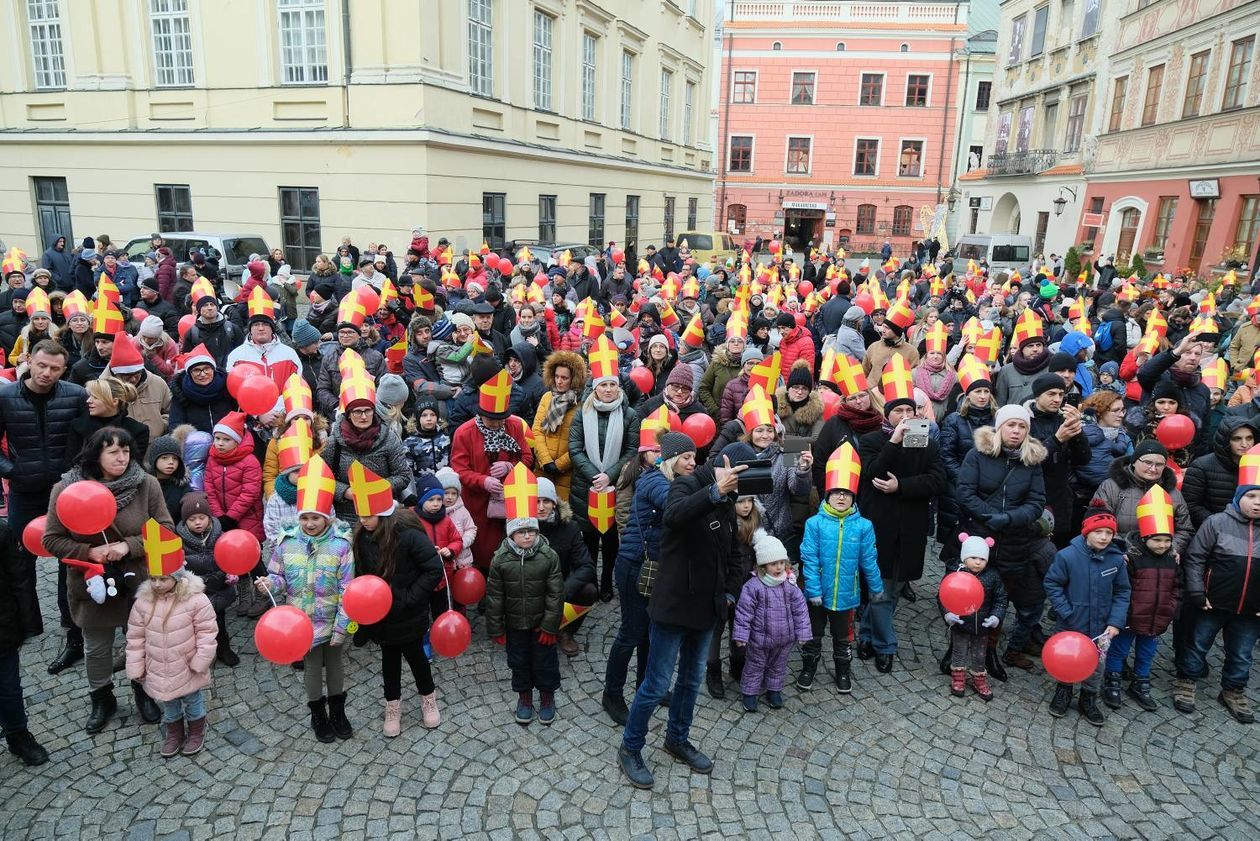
(151, 327)
(427, 487)
(768, 549)
(150, 283)
(304, 333)
(1098, 516)
(751, 354)
(682, 375)
(1061, 362)
(547, 490)
(391, 391)
(326, 291)
(1166, 390)
(164, 445)
(1010, 412)
(1045, 382)
(513, 526)
(1112, 368)
(974, 546)
(194, 503)
(854, 315)
(800, 375)
(736, 451)
(1149, 447)
(443, 328)
(674, 444)
(785, 319)
(449, 479)
(458, 319)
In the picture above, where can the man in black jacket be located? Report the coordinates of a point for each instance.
(35, 414)
(152, 303)
(1058, 428)
(19, 619)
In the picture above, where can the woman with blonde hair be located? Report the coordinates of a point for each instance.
(107, 402)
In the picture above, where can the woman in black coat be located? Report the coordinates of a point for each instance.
(394, 547)
(107, 402)
(1211, 480)
(199, 396)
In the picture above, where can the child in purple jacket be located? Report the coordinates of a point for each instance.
(770, 617)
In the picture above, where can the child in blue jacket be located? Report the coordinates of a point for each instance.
(838, 542)
(1088, 587)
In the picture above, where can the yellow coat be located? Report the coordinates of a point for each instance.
(554, 446)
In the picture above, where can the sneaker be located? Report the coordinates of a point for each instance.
(775, 700)
(958, 682)
(1061, 701)
(750, 703)
(393, 719)
(632, 765)
(1140, 691)
(1088, 705)
(429, 710)
(525, 709)
(687, 753)
(1239, 707)
(980, 683)
(1183, 695)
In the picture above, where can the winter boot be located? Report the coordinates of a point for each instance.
(70, 654)
(1061, 701)
(992, 663)
(1140, 691)
(196, 737)
(843, 664)
(616, 708)
(546, 707)
(750, 703)
(525, 708)
(22, 744)
(429, 710)
(1088, 705)
(337, 716)
(104, 706)
(393, 719)
(775, 700)
(1017, 659)
(568, 645)
(319, 721)
(1183, 695)
(945, 665)
(958, 682)
(633, 767)
(174, 739)
(146, 706)
(713, 680)
(980, 683)
(809, 667)
(246, 595)
(1239, 707)
(224, 653)
(1111, 690)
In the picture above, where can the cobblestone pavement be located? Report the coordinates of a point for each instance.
(899, 758)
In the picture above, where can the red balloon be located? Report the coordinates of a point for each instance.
(675, 422)
(468, 586)
(241, 372)
(1175, 431)
(257, 395)
(139, 313)
(1069, 656)
(961, 593)
(370, 300)
(643, 378)
(618, 257)
(865, 301)
(775, 246)
(237, 552)
(284, 634)
(831, 402)
(368, 599)
(700, 428)
(804, 288)
(33, 537)
(450, 634)
(505, 266)
(86, 507)
(185, 322)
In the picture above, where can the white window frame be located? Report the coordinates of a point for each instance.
(883, 87)
(544, 27)
(667, 84)
(787, 149)
(792, 82)
(48, 55)
(171, 36)
(931, 77)
(304, 59)
(756, 74)
(901, 141)
(481, 47)
(689, 108)
(752, 153)
(879, 154)
(590, 74)
(627, 90)
(1227, 59)
(1204, 103)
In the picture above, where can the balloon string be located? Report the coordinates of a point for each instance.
(450, 605)
(267, 590)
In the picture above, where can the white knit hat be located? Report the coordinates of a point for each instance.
(1009, 412)
(974, 546)
(768, 548)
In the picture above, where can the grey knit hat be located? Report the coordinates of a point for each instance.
(547, 490)
(391, 391)
(304, 333)
(449, 479)
(164, 445)
(513, 526)
(674, 444)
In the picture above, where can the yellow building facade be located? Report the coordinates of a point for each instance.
(304, 121)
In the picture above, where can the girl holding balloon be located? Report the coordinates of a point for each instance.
(970, 624)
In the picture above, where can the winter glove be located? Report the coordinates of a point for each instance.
(545, 638)
(999, 522)
(1199, 600)
(500, 469)
(492, 485)
(816, 601)
(880, 597)
(227, 522)
(953, 619)
(231, 580)
(96, 588)
(501, 639)
(550, 469)
(991, 622)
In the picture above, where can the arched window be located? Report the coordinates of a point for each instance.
(902, 215)
(866, 219)
(777, 45)
(735, 217)
(905, 48)
(839, 46)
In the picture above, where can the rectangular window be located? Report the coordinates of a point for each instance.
(667, 83)
(872, 90)
(693, 213)
(1154, 88)
(866, 158)
(494, 219)
(917, 90)
(46, 51)
(1016, 50)
(910, 161)
(1202, 227)
(1239, 70)
(1089, 23)
(1247, 230)
(632, 220)
(174, 207)
(798, 155)
(1196, 81)
(802, 88)
(740, 157)
(669, 218)
(1050, 121)
(481, 47)
(1040, 18)
(975, 156)
(744, 87)
(903, 214)
(1117, 103)
(172, 43)
(547, 219)
(865, 219)
(303, 54)
(689, 99)
(627, 87)
(1163, 220)
(595, 221)
(588, 76)
(299, 224)
(542, 61)
(983, 91)
(1075, 122)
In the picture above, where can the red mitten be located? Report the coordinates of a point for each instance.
(501, 639)
(545, 638)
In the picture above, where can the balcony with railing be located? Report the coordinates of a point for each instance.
(850, 11)
(1022, 163)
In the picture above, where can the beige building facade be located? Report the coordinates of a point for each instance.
(564, 121)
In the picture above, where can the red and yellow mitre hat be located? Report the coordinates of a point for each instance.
(766, 373)
(163, 550)
(1204, 324)
(827, 367)
(971, 330)
(849, 376)
(615, 318)
(1216, 374)
(260, 305)
(358, 387)
(669, 318)
(76, 303)
(936, 340)
(316, 487)
(897, 383)
(297, 398)
(844, 470)
(1249, 468)
(495, 396)
(1155, 513)
(373, 496)
(520, 494)
(1208, 305)
(602, 359)
(972, 374)
(37, 303)
(656, 421)
(757, 409)
(1027, 328)
(1253, 308)
(877, 296)
(737, 325)
(1149, 343)
(691, 289)
(295, 445)
(1157, 324)
(988, 346)
(351, 312)
(423, 297)
(693, 336)
(593, 326)
(900, 315)
(389, 292)
(350, 362)
(202, 288)
(107, 319)
(1076, 309)
(106, 288)
(1082, 325)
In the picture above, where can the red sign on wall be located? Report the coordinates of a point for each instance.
(1092, 220)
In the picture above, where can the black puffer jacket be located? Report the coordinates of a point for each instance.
(199, 558)
(19, 607)
(1210, 480)
(958, 436)
(38, 430)
(995, 602)
(1062, 457)
(565, 537)
(417, 571)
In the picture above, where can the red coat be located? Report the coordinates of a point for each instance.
(444, 535)
(1128, 375)
(798, 344)
(234, 489)
(471, 461)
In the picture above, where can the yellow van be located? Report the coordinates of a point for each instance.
(703, 244)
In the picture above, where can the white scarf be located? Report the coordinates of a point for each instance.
(604, 457)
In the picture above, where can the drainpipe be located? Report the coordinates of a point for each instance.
(347, 62)
(949, 90)
(726, 118)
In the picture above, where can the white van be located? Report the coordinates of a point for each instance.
(231, 250)
(1003, 252)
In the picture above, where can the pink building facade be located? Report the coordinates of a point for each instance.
(837, 121)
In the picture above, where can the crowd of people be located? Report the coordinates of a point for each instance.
(754, 450)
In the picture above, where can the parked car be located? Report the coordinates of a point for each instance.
(231, 251)
(703, 244)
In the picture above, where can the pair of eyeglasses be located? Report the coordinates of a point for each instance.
(361, 412)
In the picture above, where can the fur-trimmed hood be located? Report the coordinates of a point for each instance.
(186, 584)
(989, 443)
(808, 415)
(568, 359)
(1121, 472)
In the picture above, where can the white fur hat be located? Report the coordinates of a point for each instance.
(974, 546)
(769, 549)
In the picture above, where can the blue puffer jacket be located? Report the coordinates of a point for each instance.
(1089, 590)
(643, 524)
(1102, 453)
(832, 553)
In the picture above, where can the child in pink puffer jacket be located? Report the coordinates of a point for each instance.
(172, 636)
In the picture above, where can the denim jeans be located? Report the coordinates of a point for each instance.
(1027, 619)
(191, 707)
(1240, 632)
(12, 708)
(632, 634)
(877, 620)
(1144, 653)
(672, 645)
